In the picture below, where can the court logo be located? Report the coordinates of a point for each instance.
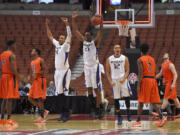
(132, 78)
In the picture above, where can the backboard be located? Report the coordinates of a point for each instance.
(139, 12)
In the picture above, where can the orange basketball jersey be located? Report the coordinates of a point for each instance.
(149, 66)
(5, 62)
(167, 74)
(36, 67)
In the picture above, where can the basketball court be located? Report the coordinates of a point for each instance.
(83, 125)
(121, 15)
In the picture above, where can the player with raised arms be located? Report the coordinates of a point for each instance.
(91, 63)
(62, 74)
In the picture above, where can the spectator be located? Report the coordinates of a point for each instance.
(21, 89)
(51, 89)
(72, 92)
(27, 85)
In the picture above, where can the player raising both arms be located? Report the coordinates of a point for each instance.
(37, 93)
(9, 82)
(147, 86)
(91, 62)
(169, 73)
(62, 74)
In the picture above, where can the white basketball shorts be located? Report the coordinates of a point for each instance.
(62, 81)
(92, 76)
(120, 90)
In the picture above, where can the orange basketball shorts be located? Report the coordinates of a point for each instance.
(149, 91)
(9, 87)
(170, 93)
(38, 89)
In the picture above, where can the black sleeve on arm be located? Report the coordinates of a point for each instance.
(137, 41)
(128, 42)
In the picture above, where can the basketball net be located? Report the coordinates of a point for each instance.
(123, 27)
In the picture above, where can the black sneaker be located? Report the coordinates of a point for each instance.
(91, 114)
(65, 117)
(101, 113)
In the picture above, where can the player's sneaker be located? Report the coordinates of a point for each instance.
(92, 113)
(120, 120)
(177, 116)
(46, 112)
(65, 117)
(162, 121)
(11, 122)
(136, 124)
(40, 120)
(3, 121)
(61, 117)
(155, 114)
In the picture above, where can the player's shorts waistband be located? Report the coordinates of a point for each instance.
(148, 77)
(39, 78)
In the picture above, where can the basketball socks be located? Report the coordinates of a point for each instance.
(138, 119)
(2, 116)
(128, 112)
(8, 117)
(41, 112)
(128, 115)
(161, 114)
(119, 117)
(92, 102)
(163, 110)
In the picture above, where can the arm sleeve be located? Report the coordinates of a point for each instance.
(55, 43)
(68, 38)
(127, 42)
(67, 42)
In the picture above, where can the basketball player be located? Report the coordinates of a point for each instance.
(169, 73)
(91, 63)
(117, 70)
(37, 93)
(147, 86)
(62, 74)
(8, 82)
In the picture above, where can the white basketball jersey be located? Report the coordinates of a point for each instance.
(117, 66)
(61, 55)
(89, 53)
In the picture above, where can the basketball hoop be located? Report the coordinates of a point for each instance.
(123, 27)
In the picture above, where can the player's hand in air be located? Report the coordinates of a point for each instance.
(100, 16)
(113, 83)
(65, 20)
(47, 21)
(74, 14)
